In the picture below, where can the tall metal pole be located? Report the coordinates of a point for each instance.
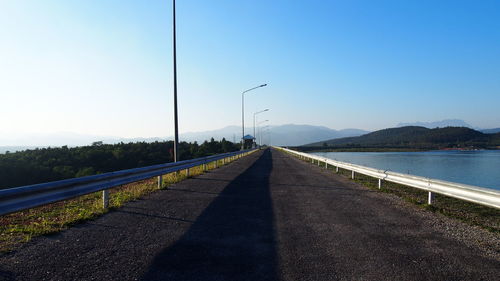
(259, 131)
(254, 116)
(176, 125)
(243, 120)
(260, 134)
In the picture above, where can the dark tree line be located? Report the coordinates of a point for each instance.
(50, 164)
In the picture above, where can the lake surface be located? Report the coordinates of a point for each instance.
(479, 168)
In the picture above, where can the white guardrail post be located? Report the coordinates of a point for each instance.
(105, 199)
(484, 196)
(430, 198)
(160, 181)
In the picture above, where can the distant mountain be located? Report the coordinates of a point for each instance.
(292, 135)
(4, 149)
(287, 135)
(50, 139)
(230, 133)
(438, 124)
(417, 137)
(449, 123)
(490, 131)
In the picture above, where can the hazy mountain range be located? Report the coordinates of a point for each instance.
(283, 135)
(449, 123)
(278, 135)
(289, 134)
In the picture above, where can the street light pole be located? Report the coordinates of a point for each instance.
(258, 124)
(254, 118)
(243, 114)
(176, 125)
(263, 131)
(266, 130)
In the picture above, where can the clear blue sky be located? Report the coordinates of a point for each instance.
(104, 67)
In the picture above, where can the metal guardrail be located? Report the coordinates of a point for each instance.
(484, 196)
(30, 196)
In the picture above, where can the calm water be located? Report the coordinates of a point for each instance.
(479, 168)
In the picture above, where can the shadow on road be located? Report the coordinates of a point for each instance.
(233, 239)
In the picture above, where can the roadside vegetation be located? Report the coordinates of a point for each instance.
(51, 164)
(21, 227)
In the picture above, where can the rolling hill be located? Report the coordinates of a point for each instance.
(416, 137)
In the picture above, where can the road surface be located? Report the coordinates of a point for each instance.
(267, 216)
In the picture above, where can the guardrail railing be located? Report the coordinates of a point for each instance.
(475, 194)
(30, 196)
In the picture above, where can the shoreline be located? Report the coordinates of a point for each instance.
(371, 149)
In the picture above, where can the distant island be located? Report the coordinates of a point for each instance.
(411, 138)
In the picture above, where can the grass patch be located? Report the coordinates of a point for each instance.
(21, 227)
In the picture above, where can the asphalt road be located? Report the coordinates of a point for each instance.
(267, 216)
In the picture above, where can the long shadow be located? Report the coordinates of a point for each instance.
(233, 239)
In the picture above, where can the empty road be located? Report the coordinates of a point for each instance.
(267, 216)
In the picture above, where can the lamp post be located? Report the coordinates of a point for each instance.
(176, 125)
(264, 131)
(259, 129)
(261, 132)
(243, 114)
(254, 118)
